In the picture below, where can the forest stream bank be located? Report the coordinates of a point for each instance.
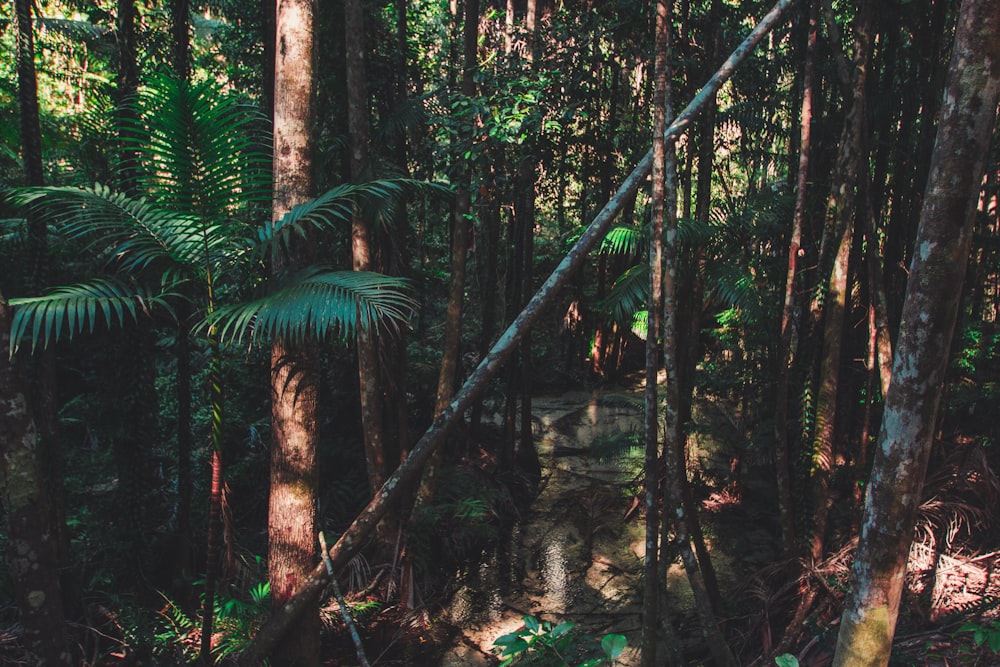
(576, 553)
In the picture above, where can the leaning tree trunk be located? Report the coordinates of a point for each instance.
(352, 539)
(930, 310)
(294, 367)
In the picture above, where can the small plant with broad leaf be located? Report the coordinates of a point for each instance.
(983, 636)
(544, 644)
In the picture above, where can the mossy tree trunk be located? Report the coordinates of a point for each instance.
(941, 252)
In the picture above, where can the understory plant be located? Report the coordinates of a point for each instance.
(542, 644)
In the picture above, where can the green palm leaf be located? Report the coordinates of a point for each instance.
(629, 295)
(203, 151)
(135, 234)
(626, 241)
(733, 286)
(318, 302)
(336, 207)
(79, 308)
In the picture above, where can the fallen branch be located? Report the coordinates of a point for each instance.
(355, 535)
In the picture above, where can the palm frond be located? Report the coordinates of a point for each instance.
(78, 308)
(134, 232)
(734, 287)
(319, 302)
(640, 324)
(411, 113)
(693, 233)
(336, 207)
(629, 295)
(203, 150)
(626, 241)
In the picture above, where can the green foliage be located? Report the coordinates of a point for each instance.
(321, 302)
(542, 644)
(237, 618)
(786, 660)
(192, 240)
(983, 636)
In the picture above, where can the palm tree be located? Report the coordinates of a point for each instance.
(188, 249)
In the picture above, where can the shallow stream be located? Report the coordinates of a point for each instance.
(573, 556)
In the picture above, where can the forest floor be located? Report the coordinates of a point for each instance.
(576, 553)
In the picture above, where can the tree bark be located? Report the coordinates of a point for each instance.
(651, 484)
(460, 236)
(930, 310)
(32, 558)
(840, 213)
(782, 460)
(354, 536)
(180, 11)
(294, 366)
(363, 243)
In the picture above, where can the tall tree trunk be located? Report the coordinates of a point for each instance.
(691, 303)
(675, 473)
(127, 83)
(929, 314)
(294, 366)
(43, 385)
(782, 459)
(363, 243)
(651, 483)
(33, 552)
(667, 326)
(460, 237)
(840, 213)
(216, 529)
(354, 537)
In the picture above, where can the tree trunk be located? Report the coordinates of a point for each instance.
(930, 310)
(354, 536)
(651, 484)
(460, 237)
(127, 83)
(294, 367)
(32, 558)
(782, 459)
(42, 388)
(363, 243)
(840, 213)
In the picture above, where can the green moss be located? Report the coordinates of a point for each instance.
(864, 641)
